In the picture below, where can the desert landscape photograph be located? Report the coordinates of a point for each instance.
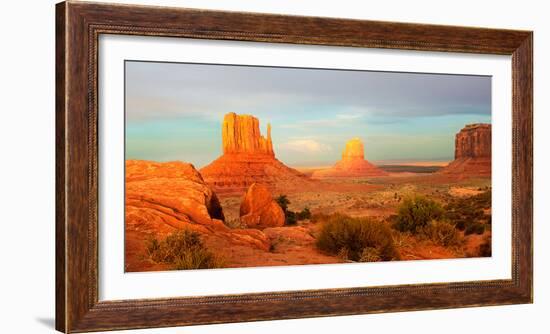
(231, 166)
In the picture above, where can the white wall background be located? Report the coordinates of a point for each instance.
(27, 71)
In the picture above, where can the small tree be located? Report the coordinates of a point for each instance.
(283, 202)
(291, 217)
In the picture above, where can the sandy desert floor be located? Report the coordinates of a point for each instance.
(358, 197)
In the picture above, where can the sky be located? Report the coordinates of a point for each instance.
(174, 111)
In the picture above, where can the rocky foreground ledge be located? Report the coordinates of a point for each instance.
(163, 198)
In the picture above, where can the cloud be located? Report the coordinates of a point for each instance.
(305, 146)
(349, 116)
(354, 112)
(172, 90)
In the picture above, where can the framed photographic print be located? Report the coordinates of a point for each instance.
(223, 166)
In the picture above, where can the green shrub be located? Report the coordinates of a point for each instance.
(485, 248)
(460, 224)
(474, 227)
(442, 233)
(304, 214)
(468, 214)
(182, 250)
(290, 218)
(350, 237)
(415, 213)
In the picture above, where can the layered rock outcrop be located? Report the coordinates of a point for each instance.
(472, 152)
(473, 141)
(259, 210)
(168, 196)
(248, 157)
(162, 198)
(353, 163)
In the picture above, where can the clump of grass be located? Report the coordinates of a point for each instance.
(402, 239)
(291, 217)
(319, 217)
(182, 250)
(442, 233)
(356, 239)
(234, 224)
(370, 254)
(414, 214)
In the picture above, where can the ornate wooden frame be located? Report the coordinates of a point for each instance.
(78, 25)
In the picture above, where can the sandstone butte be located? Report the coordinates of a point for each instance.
(472, 152)
(259, 210)
(248, 157)
(162, 198)
(353, 163)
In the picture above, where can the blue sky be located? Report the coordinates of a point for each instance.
(174, 111)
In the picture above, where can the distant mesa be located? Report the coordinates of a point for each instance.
(353, 163)
(248, 157)
(472, 152)
(355, 150)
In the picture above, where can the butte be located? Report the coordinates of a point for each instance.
(248, 158)
(353, 164)
(472, 152)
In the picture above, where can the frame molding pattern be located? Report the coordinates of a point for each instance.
(78, 27)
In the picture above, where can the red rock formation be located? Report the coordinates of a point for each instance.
(241, 134)
(473, 141)
(162, 198)
(170, 196)
(353, 163)
(472, 152)
(248, 158)
(259, 210)
(354, 150)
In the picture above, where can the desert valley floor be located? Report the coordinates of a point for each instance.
(289, 245)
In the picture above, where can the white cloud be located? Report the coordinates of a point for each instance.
(305, 146)
(349, 116)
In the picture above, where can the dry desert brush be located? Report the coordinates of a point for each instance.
(442, 233)
(470, 214)
(182, 250)
(356, 239)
